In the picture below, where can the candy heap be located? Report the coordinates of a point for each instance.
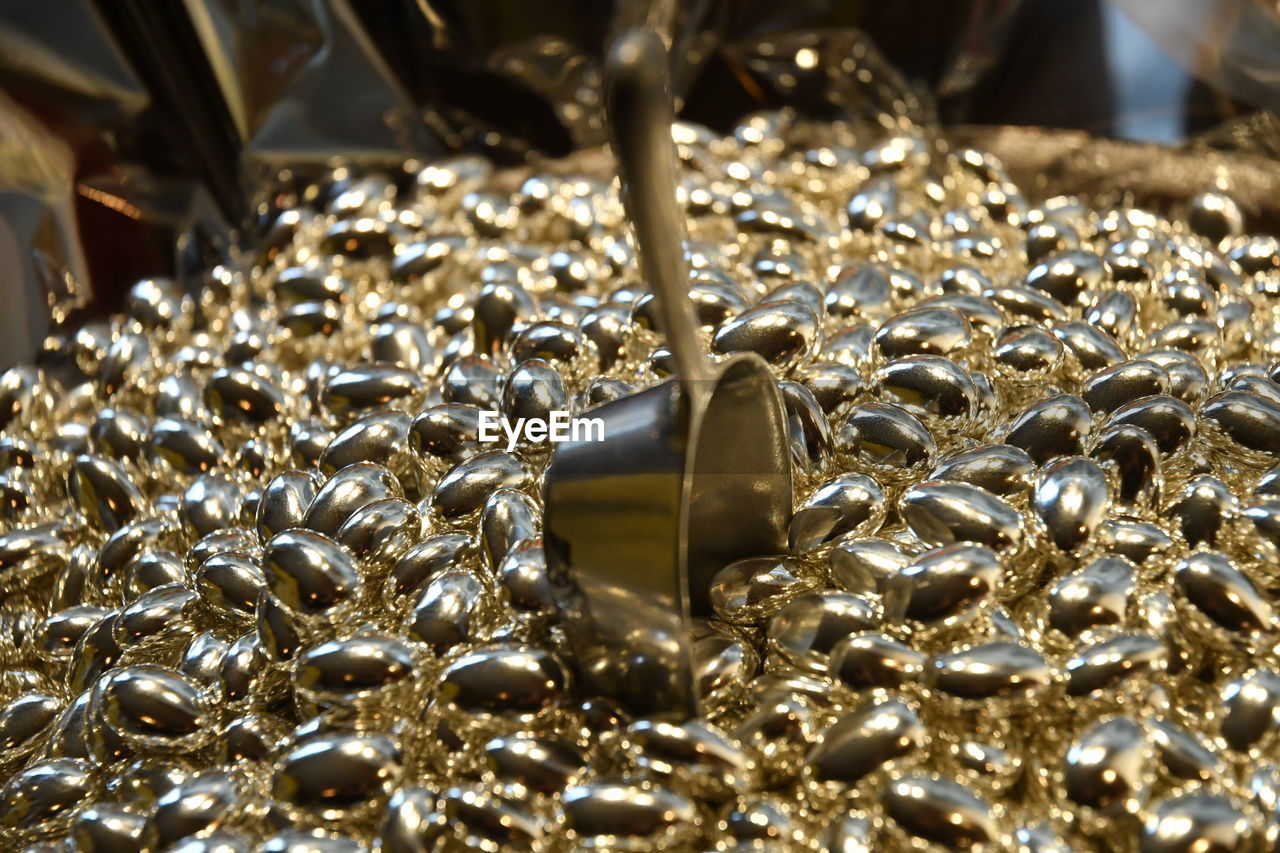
(262, 586)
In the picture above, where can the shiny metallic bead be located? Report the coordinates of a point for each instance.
(1107, 662)
(940, 811)
(1262, 527)
(163, 612)
(95, 652)
(628, 817)
(508, 517)
(692, 756)
(1001, 469)
(349, 490)
(22, 395)
(104, 492)
(782, 333)
(303, 284)
(995, 670)
(473, 381)
(1187, 377)
(941, 512)
(1025, 304)
(202, 661)
(153, 707)
(240, 394)
(866, 565)
(751, 822)
(125, 363)
(1223, 595)
(1243, 420)
(284, 502)
(609, 326)
(807, 627)
(46, 794)
(500, 306)
(1184, 755)
(861, 290)
(29, 553)
(107, 829)
(360, 388)
(232, 539)
(1055, 426)
(1094, 596)
(853, 346)
(722, 666)
(876, 736)
(1198, 820)
(748, 590)
(449, 431)
(886, 438)
(403, 344)
(377, 437)
(1028, 353)
(448, 611)
(332, 777)
(536, 764)
(523, 578)
(1110, 768)
(874, 201)
(277, 628)
(424, 561)
(1114, 311)
(869, 660)
(1215, 216)
(1167, 419)
(944, 585)
(924, 331)
(308, 572)
(1071, 499)
(503, 680)
(479, 819)
(834, 386)
(184, 447)
(850, 505)
(298, 841)
(211, 503)
(849, 833)
(378, 533)
(932, 388)
(567, 348)
(1068, 276)
(1251, 724)
(359, 239)
(534, 389)
(466, 487)
(346, 672)
(24, 724)
(119, 433)
(413, 822)
(1201, 509)
(1091, 347)
(1131, 460)
(1045, 239)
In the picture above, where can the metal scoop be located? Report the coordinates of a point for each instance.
(692, 473)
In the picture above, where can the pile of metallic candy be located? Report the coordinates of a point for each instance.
(263, 588)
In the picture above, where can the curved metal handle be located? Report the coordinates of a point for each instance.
(638, 101)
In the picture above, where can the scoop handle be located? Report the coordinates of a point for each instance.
(640, 114)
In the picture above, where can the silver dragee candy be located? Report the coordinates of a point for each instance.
(266, 488)
(1071, 499)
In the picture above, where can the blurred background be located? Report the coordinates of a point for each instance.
(141, 137)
